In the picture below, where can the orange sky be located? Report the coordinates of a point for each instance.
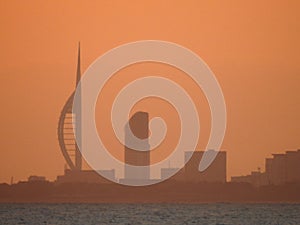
(253, 48)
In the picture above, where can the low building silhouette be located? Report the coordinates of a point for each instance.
(281, 169)
(168, 172)
(85, 176)
(284, 168)
(293, 166)
(256, 179)
(215, 173)
(34, 178)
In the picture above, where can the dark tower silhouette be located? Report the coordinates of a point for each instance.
(138, 124)
(67, 142)
(78, 156)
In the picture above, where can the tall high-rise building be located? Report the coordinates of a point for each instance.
(78, 156)
(139, 126)
(68, 145)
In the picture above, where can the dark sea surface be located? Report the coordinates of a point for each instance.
(253, 214)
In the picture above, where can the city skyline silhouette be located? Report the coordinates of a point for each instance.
(150, 112)
(256, 65)
(77, 158)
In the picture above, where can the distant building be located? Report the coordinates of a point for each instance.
(139, 126)
(216, 172)
(284, 168)
(281, 169)
(85, 176)
(241, 179)
(278, 169)
(168, 172)
(293, 166)
(36, 179)
(256, 178)
(268, 169)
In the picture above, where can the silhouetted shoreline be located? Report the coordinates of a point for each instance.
(165, 192)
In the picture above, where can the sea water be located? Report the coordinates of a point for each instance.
(35, 214)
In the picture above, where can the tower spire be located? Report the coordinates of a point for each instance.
(78, 75)
(78, 157)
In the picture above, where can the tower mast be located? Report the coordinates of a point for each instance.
(78, 75)
(78, 156)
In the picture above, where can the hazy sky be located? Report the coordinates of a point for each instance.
(253, 49)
